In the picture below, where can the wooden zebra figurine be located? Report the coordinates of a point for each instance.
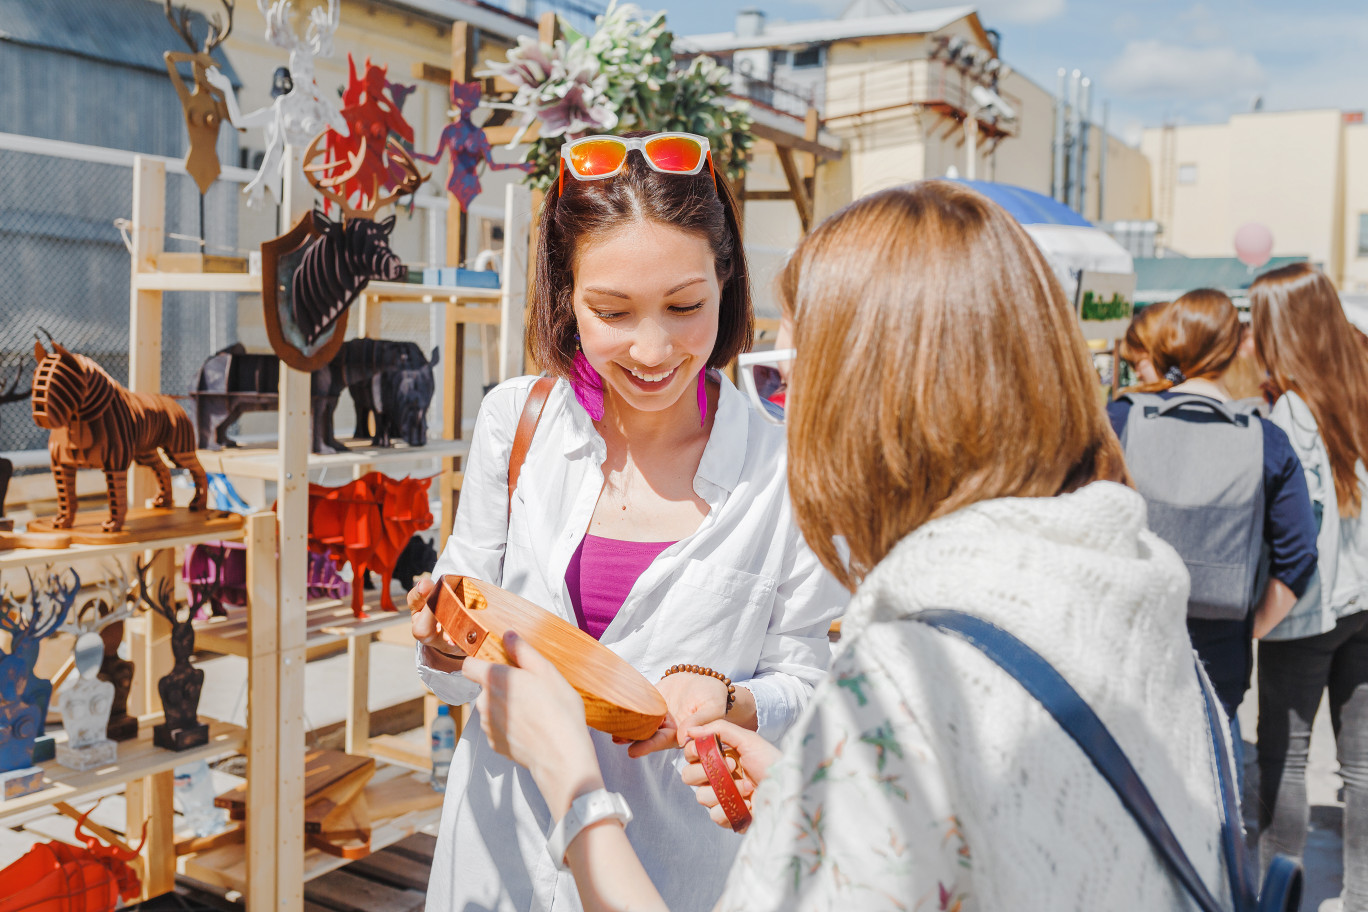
(97, 424)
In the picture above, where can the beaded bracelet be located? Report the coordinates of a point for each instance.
(708, 672)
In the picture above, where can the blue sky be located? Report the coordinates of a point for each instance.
(1184, 61)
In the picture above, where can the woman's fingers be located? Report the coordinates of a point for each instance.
(417, 596)
(693, 773)
(663, 739)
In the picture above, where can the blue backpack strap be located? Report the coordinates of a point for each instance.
(1039, 678)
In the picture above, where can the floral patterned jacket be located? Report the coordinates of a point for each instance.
(923, 777)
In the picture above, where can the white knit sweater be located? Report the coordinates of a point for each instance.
(923, 777)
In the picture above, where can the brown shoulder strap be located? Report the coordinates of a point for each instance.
(527, 427)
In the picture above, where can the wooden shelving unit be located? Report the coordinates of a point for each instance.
(138, 759)
(264, 462)
(409, 804)
(278, 627)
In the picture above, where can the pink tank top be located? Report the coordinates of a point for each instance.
(602, 574)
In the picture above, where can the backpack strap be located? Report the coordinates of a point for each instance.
(1220, 409)
(527, 428)
(1039, 678)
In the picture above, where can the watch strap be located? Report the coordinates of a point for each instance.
(585, 811)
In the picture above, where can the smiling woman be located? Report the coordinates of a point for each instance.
(651, 510)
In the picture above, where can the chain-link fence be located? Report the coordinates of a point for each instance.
(67, 273)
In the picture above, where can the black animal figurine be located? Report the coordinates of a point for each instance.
(336, 267)
(181, 687)
(418, 557)
(398, 400)
(7, 467)
(233, 382)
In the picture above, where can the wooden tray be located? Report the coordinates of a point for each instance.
(617, 699)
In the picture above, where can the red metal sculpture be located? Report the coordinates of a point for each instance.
(97, 424)
(368, 522)
(57, 877)
(363, 163)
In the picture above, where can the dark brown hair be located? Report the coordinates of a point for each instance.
(697, 204)
(939, 365)
(1309, 347)
(1199, 334)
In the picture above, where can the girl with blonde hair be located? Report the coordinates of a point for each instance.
(943, 427)
(1317, 364)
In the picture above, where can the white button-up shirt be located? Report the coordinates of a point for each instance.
(742, 595)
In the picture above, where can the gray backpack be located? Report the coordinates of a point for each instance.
(1203, 483)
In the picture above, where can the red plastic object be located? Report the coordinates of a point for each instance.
(368, 522)
(57, 877)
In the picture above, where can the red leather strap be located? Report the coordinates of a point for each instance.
(720, 778)
(527, 427)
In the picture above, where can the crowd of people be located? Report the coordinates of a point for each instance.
(942, 457)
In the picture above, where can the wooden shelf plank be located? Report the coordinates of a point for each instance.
(401, 802)
(264, 462)
(137, 759)
(29, 557)
(251, 284)
(328, 621)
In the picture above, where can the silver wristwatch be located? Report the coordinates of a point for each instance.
(586, 810)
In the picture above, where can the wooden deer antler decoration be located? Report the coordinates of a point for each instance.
(395, 161)
(204, 104)
(180, 689)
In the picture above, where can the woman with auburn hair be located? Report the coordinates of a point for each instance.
(1318, 368)
(943, 424)
(650, 510)
(1222, 485)
(1135, 347)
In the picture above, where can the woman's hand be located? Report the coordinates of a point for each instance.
(690, 700)
(532, 716)
(442, 653)
(757, 756)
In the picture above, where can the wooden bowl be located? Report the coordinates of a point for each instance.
(617, 698)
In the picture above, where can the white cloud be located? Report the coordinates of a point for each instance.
(1157, 69)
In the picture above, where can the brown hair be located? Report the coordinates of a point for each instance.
(1303, 338)
(938, 365)
(1139, 343)
(1199, 335)
(697, 204)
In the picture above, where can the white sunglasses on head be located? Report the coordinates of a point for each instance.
(764, 375)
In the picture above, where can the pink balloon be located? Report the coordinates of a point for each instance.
(1253, 244)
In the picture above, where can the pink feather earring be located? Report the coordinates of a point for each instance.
(703, 396)
(586, 383)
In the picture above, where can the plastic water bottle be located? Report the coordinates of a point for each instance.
(194, 791)
(443, 746)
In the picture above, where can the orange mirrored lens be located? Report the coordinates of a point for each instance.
(674, 153)
(598, 156)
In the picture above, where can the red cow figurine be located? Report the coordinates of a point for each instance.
(368, 522)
